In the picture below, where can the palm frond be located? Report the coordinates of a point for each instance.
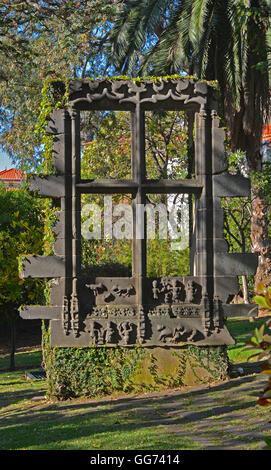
(134, 24)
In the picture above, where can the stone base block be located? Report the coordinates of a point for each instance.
(191, 365)
(92, 372)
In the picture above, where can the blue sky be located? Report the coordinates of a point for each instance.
(5, 162)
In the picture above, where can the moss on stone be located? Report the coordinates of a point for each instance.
(99, 371)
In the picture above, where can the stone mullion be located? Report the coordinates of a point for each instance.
(190, 171)
(204, 205)
(139, 225)
(75, 256)
(76, 198)
(66, 220)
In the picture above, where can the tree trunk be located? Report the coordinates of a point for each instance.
(260, 243)
(12, 324)
(260, 239)
(245, 123)
(245, 290)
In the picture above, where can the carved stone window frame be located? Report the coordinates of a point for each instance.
(213, 268)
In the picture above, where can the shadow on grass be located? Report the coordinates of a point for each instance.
(25, 360)
(8, 399)
(122, 421)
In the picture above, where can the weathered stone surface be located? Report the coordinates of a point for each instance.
(49, 186)
(43, 266)
(58, 122)
(57, 290)
(61, 146)
(240, 310)
(113, 331)
(220, 163)
(162, 311)
(219, 245)
(40, 312)
(59, 247)
(234, 264)
(125, 94)
(230, 186)
(218, 221)
(59, 227)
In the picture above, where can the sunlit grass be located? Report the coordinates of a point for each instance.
(242, 330)
(25, 360)
(29, 421)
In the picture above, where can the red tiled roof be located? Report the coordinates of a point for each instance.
(11, 174)
(267, 133)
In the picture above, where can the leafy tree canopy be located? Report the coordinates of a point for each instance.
(39, 40)
(227, 40)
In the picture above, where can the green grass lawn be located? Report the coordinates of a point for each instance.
(23, 360)
(241, 329)
(30, 424)
(29, 421)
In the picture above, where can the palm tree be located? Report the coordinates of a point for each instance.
(224, 40)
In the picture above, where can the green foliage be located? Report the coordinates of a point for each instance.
(240, 330)
(189, 37)
(264, 297)
(226, 41)
(22, 222)
(44, 40)
(108, 155)
(237, 217)
(21, 233)
(54, 96)
(90, 372)
(156, 78)
(98, 371)
(262, 180)
(212, 359)
(262, 341)
(163, 261)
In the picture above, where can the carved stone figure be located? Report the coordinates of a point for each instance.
(75, 317)
(125, 330)
(190, 292)
(110, 333)
(66, 316)
(169, 290)
(97, 334)
(96, 288)
(165, 333)
(175, 291)
(141, 325)
(192, 336)
(155, 290)
(176, 335)
(117, 291)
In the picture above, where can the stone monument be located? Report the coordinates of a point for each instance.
(125, 311)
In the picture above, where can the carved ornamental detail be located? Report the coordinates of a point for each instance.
(165, 311)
